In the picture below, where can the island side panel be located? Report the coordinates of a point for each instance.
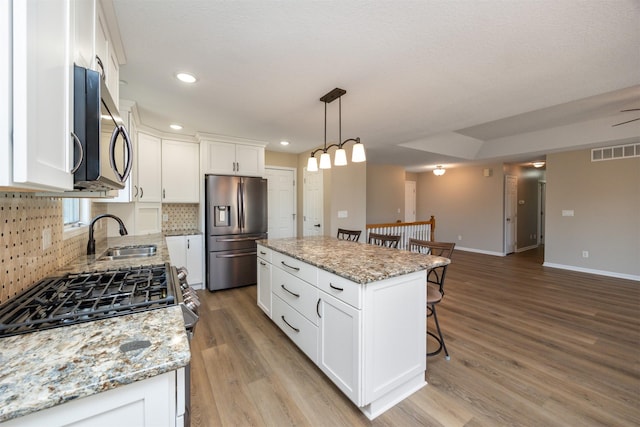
(394, 322)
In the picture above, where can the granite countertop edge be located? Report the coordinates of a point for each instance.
(43, 369)
(358, 262)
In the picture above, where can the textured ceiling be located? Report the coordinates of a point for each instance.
(427, 82)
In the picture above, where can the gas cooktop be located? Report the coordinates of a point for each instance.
(84, 297)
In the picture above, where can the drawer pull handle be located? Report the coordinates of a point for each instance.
(287, 265)
(335, 287)
(262, 253)
(318, 308)
(285, 321)
(262, 263)
(292, 293)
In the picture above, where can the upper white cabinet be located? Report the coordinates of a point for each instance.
(231, 157)
(84, 34)
(36, 146)
(180, 172)
(149, 163)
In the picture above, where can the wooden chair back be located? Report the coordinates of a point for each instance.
(353, 235)
(386, 240)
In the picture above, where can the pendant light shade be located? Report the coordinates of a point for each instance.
(341, 157)
(325, 161)
(439, 171)
(312, 164)
(358, 153)
(341, 154)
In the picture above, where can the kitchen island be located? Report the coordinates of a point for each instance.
(356, 310)
(116, 367)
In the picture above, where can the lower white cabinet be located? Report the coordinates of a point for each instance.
(264, 279)
(154, 402)
(369, 339)
(339, 346)
(187, 251)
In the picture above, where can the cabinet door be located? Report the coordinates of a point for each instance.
(195, 259)
(264, 286)
(42, 72)
(102, 44)
(84, 37)
(180, 172)
(339, 345)
(220, 158)
(249, 160)
(177, 251)
(149, 161)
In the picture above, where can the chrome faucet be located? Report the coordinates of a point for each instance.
(91, 246)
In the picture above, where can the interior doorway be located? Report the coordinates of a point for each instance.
(409, 201)
(542, 190)
(282, 202)
(312, 204)
(510, 213)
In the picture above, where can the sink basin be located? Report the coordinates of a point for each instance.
(125, 252)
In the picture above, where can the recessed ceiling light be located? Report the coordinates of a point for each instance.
(186, 77)
(175, 126)
(284, 142)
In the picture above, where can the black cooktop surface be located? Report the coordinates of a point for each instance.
(83, 297)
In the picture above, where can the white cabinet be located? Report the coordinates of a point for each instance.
(152, 402)
(180, 172)
(187, 251)
(149, 168)
(264, 279)
(105, 55)
(84, 33)
(229, 158)
(339, 345)
(37, 153)
(370, 339)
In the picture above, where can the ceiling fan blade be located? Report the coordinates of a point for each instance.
(628, 121)
(631, 109)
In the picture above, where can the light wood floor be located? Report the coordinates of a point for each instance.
(529, 346)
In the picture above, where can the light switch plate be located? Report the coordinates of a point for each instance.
(343, 214)
(567, 212)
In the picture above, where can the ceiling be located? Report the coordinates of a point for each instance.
(428, 82)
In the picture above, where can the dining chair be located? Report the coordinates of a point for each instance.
(435, 285)
(386, 240)
(353, 235)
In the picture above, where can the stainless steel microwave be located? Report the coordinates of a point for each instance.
(103, 153)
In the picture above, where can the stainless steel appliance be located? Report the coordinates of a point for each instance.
(103, 151)
(236, 216)
(83, 297)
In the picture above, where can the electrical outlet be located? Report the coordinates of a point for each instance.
(46, 239)
(459, 236)
(165, 217)
(585, 254)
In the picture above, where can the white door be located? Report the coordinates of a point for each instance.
(282, 202)
(510, 210)
(312, 204)
(409, 201)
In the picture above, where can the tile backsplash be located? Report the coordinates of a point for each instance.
(24, 217)
(180, 216)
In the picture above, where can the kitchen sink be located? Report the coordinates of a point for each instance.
(125, 252)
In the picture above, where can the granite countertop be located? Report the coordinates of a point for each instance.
(359, 262)
(43, 369)
(186, 232)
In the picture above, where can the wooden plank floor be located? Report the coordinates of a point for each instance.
(530, 346)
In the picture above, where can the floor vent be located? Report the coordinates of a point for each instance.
(615, 152)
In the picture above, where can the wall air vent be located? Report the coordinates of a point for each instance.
(615, 152)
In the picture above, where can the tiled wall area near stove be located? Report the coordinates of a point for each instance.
(23, 217)
(180, 216)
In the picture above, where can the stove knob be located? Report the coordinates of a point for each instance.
(182, 274)
(190, 300)
(191, 306)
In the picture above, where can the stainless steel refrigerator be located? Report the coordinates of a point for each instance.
(235, 217)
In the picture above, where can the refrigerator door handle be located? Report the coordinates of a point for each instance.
(240, 239)
(239, 207)
(236, 255)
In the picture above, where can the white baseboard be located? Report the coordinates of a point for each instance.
(526, 248)
(479, 251)
(593, 271)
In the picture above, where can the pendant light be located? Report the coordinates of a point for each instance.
(357, 155)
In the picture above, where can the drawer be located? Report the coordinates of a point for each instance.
(299, 294)
(264, 253)
(306, 272)
(343, 289)
(303, 333)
